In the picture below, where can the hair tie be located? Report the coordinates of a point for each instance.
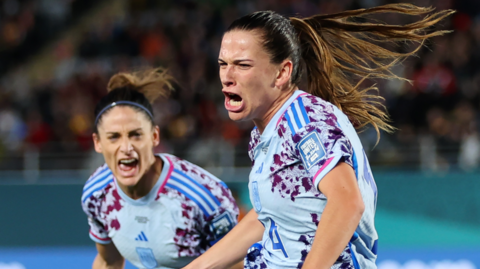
(122, 103)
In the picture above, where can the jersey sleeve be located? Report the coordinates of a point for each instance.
(320, 146)
(225, 216)
(97, 230)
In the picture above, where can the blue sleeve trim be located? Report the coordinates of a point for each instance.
(290, 123)
(375, 247)
(196, 183)
(354, 259)
(295, 115)
(304, 111)
(184, 187)
(204, 210)
(89, 193)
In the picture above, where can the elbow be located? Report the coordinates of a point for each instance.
(352, 206)
(360, 207)
(357, 207)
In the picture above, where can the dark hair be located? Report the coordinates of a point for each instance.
(335, 49)
(279, 37)
(139, 88)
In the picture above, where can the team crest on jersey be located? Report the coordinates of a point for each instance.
(147, 258)
(311, 149)
(222, 224)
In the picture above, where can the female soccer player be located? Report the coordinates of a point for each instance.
(311, 187)
(155, 210)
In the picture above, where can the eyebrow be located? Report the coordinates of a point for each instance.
(237, 61)
(134, 130)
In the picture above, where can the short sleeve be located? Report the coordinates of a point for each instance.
(320, 146)
(224, 218)
(220, 225)
(97, 230)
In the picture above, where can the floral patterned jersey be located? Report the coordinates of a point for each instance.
(305, 140)
(180, 218)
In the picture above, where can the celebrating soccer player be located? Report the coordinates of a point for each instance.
(311, 186)
(155, 210)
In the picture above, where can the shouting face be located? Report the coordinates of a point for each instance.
(253, 86)
(126, 139)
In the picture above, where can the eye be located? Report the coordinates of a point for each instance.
(244, 66)
(222, 64)
(113, 137)
(136, 135)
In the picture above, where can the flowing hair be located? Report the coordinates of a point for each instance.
(152, 83)
(136, 89)
(340, 51)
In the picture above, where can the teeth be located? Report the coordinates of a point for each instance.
(127, 161)
(235, 103)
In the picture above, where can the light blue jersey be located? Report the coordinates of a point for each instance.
(305, 140)
(186, 212)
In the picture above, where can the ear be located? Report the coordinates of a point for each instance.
(284, 73)
(96, 142)
(156, 136)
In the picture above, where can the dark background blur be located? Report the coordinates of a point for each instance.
(56, 57)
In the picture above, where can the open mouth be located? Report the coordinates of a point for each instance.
(128, 167)
(233, 102)
(235, 99)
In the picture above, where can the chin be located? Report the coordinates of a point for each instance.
(128, 181)
(237, 116)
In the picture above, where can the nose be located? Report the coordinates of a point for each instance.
(227, 76)
(126, 146)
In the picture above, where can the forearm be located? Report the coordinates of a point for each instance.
(100, 263)
(337, 225)
(233, 247)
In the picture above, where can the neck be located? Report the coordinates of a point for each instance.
(273, 109)
(146, 182)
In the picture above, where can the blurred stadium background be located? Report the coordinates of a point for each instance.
(56, 57)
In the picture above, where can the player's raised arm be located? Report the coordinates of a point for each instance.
(108, 257)
(233, 247)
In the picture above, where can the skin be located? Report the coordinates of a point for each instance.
(124, 133)
(246, 70)
(108, 257)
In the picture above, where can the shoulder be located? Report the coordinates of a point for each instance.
(204, 189)
(193, 171)
(254, 140)
(97, 184)
(307, 112)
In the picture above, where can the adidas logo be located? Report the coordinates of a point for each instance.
(141, 237)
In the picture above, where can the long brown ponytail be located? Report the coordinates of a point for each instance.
(335, 49)
(340, 53)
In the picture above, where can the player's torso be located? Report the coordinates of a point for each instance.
(290, 206)
(146, 234)
(286, 202)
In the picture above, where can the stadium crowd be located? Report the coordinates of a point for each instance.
(437, 114)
